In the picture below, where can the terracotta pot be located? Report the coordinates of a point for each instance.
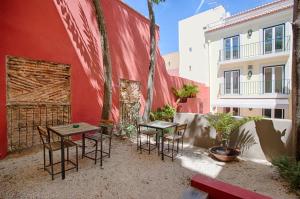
(224, 154)
(183, 100)
(193, 95)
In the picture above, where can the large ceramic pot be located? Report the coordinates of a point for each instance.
(224, 154)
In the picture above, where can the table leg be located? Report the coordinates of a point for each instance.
(83, 145)
(162, 144)
(101, 148)
(62, 157)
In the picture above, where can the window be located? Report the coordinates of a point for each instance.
(267, 113)
(232, 47)
(274, 39)
(235, 111)
(279, 113)
(273, 79)
(273, 113)
(227, 110)
(232, 82)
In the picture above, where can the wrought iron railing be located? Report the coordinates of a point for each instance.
(255, 49)
(257, 88)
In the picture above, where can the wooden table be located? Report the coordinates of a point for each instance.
(159, 125)
(68, 130)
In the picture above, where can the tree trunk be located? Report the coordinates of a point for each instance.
(295, 77)
(151, 73)
(107, 67)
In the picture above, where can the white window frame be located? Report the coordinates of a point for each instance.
(231, 47)
(273, 78)
(274, 39)
(231, 82)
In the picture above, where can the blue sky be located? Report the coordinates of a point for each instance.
(169, 13)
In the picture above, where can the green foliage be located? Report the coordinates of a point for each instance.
(158, 1)
(225, 124)
(188, 90)
(166, 113)
(127, 129)
(289, 169)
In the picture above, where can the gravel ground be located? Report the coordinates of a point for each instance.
(129, 174)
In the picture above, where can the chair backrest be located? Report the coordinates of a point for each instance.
(106, 128)
(180, 129)
(44, 135)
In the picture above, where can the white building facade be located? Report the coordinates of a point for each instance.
(246, 60)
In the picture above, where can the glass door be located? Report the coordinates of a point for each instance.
(232, 48)
(227, 48)
(274, 39)
(236, 82)
(227, 76)
(232, 82)
(268, 35)
(274, 79)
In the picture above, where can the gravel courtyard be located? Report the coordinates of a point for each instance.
(129, 174)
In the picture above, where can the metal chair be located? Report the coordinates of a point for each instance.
(104, 133)
(177, 136)
(148, 133)
(55, 146)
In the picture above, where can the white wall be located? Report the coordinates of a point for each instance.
(171, 60)
(192, 48)
(214, 40)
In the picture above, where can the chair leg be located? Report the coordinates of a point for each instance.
(173, 150)
(67, 155)
(149, 144)
(44, 158)
(76, 158)
(177, 146)
(96, 151)
(182, 146)
(109, 147)
(140, 143)
(51, 163)
(168, 146)
(137, 141)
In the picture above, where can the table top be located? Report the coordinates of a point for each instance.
(159, 124)
(68, 130)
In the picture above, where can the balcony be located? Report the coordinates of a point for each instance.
(257, 50)
(273, 89)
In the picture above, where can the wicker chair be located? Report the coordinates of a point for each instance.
(55, 146)
(104, 133)
(148, 133)
(177, 137)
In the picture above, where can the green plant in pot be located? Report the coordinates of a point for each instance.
(225, 124)
(187, 91)
(165, 113)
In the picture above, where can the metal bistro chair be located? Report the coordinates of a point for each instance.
(148, 133)
(104, 133)
(55, 146)
(177, 136)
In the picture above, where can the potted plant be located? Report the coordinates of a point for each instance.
(165, 113)
(191, 90)
(225, 124)
(187, 91)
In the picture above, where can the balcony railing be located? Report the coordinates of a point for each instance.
(256, 88)
(255, 49)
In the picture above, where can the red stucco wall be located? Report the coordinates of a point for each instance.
(65, 31)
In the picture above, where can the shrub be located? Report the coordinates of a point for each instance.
(166, 113)
(289, 169)
(188, 90)
(225, 124)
